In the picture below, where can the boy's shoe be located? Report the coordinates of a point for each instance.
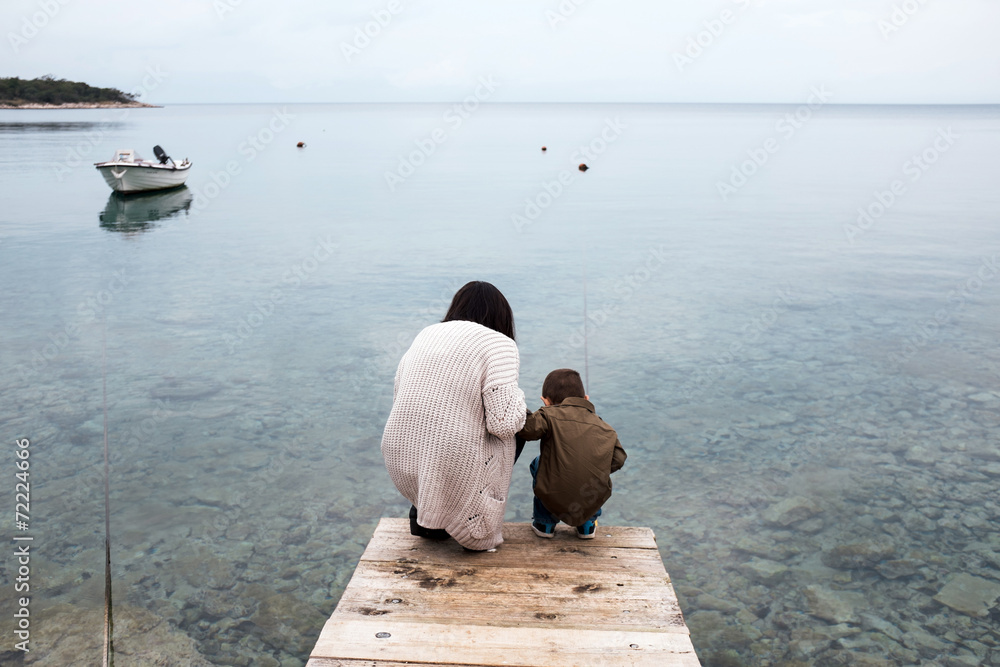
(587, 531)
(546, 530)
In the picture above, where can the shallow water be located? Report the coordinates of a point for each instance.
(749, 350)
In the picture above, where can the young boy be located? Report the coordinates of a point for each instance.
(572, 474)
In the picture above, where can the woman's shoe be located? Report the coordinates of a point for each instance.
(429, 533)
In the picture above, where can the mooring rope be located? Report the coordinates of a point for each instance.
(586, 351)
(109, 647)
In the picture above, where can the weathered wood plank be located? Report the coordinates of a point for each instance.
(444, 594)
(554, 613)
(490, 580)
(486, 645)
(546, 555)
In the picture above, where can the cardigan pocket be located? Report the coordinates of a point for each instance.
(490, 516)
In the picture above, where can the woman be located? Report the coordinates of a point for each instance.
(449, 442)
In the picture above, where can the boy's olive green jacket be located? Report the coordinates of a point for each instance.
(579, 451)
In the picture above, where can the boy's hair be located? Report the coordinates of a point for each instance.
(561, 384)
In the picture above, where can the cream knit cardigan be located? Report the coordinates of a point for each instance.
(449, 441)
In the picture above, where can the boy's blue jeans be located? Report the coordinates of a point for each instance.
(540, 513)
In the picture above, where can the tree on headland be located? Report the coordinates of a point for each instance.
(49, 90)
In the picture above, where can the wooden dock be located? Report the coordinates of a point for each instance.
(533, 602)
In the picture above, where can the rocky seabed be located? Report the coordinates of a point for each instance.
(848, 527)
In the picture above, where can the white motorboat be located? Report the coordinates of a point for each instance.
(127, 172)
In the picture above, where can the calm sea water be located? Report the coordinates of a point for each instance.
(751, 339)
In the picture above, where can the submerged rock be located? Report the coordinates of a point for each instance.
(811, 526)
(212, 605)
(791, 510)
(859, 555)
(876, 624)
(923, 456)
(712, 603)
(925, 643)
(974, 521)
(769, 549)
(983, 451)
(916, 522)
(807, 648)
(833, 606)
(832, 632)
(991, 469)
(970, 595)
(766, 572)
(894, 569)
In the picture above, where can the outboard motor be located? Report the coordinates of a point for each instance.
(161, 155)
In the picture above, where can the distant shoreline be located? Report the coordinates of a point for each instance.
(81, 105)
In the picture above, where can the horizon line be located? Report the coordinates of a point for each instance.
(633, 103)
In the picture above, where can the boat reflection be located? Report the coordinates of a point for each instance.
(136, 213)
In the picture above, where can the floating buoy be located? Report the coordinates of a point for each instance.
(544, 149)
(301, 144)
(583, 167)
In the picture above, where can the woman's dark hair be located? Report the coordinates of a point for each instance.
(482, 303)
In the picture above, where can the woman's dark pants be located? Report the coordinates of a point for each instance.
(420, 531)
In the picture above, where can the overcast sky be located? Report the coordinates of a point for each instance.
(864, 51)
